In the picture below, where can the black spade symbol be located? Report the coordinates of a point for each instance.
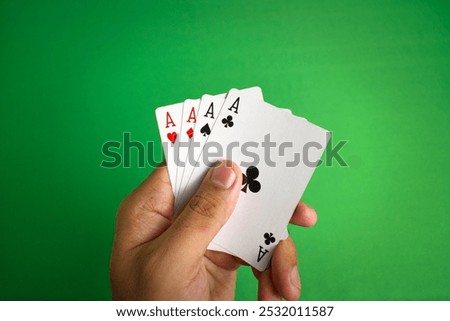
(205, 130)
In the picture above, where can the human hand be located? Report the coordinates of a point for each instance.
(157, 258)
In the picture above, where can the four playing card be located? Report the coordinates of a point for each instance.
(277, 153)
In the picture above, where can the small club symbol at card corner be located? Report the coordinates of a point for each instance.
(190, 132)
(269, 238)
(228, 121)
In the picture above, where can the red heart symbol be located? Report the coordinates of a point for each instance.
(172, 137)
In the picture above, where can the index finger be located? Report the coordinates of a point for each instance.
(304, 215)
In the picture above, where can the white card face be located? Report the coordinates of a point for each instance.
(189, 119)
(207, 114)
(272, 186)
(215, 247)
(169, 123)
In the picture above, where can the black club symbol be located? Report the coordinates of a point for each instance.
(228, 121)
(269, 238)
(249, 180)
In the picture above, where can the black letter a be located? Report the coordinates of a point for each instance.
(235, 106)
(261, 253)
(210, 111)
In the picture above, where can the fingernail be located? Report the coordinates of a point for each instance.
(223, 176)
(295, 278)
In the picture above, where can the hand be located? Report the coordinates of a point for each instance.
(157, 258)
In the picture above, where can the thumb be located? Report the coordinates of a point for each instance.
(207, 211)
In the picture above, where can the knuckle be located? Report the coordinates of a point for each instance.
(129, 204)
(135, 202)
(205, 205)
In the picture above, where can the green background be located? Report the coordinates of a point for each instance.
(75, 74)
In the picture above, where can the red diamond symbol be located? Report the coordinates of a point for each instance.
(190, 132)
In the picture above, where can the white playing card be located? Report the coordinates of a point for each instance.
(270, 193)
(189, 119)
(215, 247)
(169, 121)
